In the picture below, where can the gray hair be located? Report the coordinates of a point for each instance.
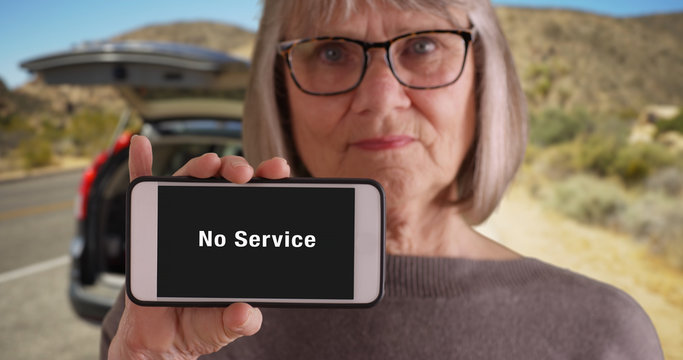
(501, 116)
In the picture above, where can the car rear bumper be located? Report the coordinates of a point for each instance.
(92, 302)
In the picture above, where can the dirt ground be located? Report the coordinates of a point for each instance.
(524, 225)
(13, 171)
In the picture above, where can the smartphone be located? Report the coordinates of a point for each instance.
(291, 242)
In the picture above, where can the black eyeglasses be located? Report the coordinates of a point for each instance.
(334, 65)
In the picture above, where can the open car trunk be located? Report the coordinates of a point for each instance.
(190, 100)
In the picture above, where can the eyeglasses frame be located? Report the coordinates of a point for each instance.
(285, 50)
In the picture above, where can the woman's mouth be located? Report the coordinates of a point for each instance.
(384, 142)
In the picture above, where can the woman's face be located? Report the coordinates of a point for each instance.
(411, 141)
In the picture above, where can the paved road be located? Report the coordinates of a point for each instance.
(36, 226)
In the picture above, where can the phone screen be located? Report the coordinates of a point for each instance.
(259, 242)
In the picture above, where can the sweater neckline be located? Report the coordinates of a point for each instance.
(440, 276)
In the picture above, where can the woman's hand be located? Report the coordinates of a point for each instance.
(186, 333)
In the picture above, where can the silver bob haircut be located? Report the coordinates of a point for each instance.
(501, 118)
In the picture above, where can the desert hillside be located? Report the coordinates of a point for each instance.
(569, 59)
(215, 36)
(565, 59)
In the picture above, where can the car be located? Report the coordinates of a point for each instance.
(190, 100)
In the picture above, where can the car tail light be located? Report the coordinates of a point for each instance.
(90, 173)
(121, 142)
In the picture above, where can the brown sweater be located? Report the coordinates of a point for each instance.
(439, 308)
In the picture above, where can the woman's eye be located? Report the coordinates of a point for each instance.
(331, 53)
(422, 46)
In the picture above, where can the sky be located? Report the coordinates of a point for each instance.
(29, 28)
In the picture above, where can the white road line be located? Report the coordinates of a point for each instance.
(34, 268)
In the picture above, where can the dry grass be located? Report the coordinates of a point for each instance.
(528, 227)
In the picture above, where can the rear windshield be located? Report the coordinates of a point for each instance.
(209, 127)
(151, 94)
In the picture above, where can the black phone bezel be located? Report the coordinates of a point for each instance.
(254, 181)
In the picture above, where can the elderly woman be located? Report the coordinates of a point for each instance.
(421, 96)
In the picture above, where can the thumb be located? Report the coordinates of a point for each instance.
(140, 157)
(240, 319)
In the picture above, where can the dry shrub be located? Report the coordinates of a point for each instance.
(657, 219)
(556, 162)
(668, 180)
(589, 199)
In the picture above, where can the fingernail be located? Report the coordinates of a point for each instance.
(238, 163)
(250, 314)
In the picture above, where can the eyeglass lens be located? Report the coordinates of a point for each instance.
(424, 60)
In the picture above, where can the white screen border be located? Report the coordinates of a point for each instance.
(368, 246)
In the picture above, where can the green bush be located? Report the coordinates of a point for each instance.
(675, 124)
(635, 162)
(594, 153)
(597, 153)
(553, 126)
(14, 127)
(90, 130)
(540, 80)
(13, 130)
(589, 199)
(35, 152)
(613, 126)
(14, 123)
(52, 130)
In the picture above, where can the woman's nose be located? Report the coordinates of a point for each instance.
(379, 92)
